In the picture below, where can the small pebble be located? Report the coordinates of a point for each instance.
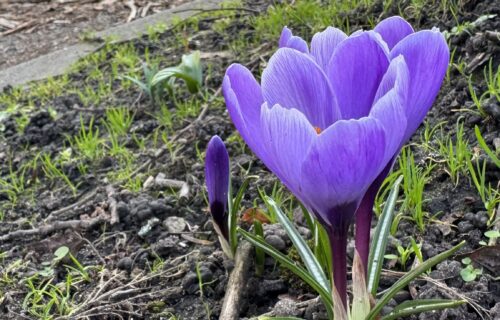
(125, 263)
(174, 224)
(276, 242)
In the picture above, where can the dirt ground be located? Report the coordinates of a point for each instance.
(29, 29)
(140, 265)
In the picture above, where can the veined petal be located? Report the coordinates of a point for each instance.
(288, 40)
(243, 100)
(293, 80)
(393, 30)
(355, 71)
(389, 110)
(287, 136)
(427, 56)
(323, 45)
(397, 76)
(341, 163)
(217, 180)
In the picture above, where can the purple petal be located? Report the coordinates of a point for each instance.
(427, 56)
(287, 135)
(293, 80)
(340, 165)
(390, 109)
(324, 43)
(397, 76)
(393, 30)
(288, 40)
(243, 100)
(217, 180)
(355, 71)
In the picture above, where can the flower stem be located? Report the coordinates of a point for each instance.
(338, 244)
(363, 225)
(364, 215)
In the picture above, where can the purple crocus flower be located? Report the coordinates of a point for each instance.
(330, 119)
(217, 181)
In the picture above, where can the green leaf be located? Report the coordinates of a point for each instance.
(300, 244)
(466, 260)
(60, 253)
(492, 234)
(405, 280)
(189, 70)
(468, 274)
(291, 265)
(380, 238)
(408, 308)
(485, 147)
(234, 207)
(391, 257)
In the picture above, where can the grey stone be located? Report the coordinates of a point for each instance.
(166, 246)
(273, 287)
(122, 209)
(276, 242)
(286, 307)
(174, 224)
(465, 226)
(125, 263)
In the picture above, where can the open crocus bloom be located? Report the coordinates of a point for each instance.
(329, 119)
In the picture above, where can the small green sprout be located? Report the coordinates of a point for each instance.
(469, 273)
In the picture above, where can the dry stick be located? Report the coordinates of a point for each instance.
(56, 226)
(115, 218)
(54, 214)
(237, 283)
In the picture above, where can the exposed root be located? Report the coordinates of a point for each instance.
(237, 283)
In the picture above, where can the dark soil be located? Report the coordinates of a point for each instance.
(157, 275)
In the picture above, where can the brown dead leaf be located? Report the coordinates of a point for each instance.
(252, 214)
(488, 257)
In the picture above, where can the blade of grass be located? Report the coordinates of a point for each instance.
(405, 280)
(291, 265)
(408, 308)
(380, 238)
(300, 244)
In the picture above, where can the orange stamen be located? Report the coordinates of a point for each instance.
(318, 130)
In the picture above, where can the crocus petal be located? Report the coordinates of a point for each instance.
(324, 43)
(340, 165)
(288, 40)
(287, 135)
(355, 71)
(243, 100)
(293, 80)
(389, 109)
(427, 56)
(217, 180)
(397, 76)
(393, 30)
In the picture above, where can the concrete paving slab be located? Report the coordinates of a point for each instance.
(57, 62)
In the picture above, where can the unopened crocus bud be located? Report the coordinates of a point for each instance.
(217, 181)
